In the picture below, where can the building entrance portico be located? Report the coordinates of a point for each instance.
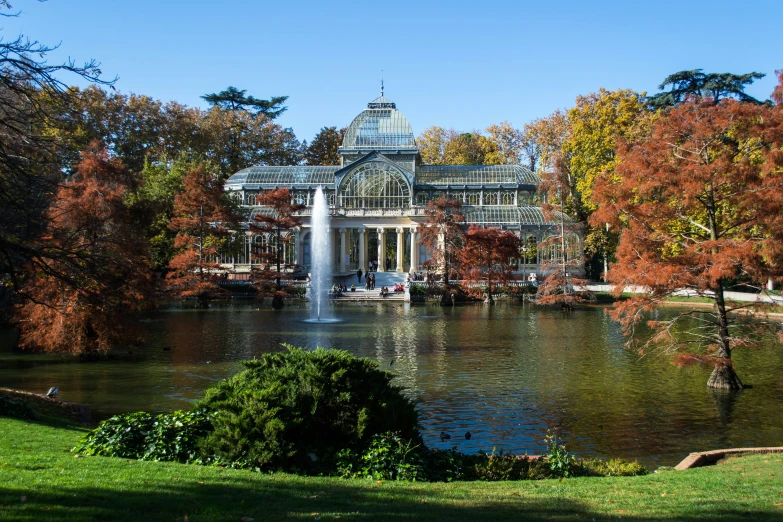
(393, 247)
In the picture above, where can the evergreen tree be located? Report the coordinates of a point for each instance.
(324, 148)
(685, 84)
(233, 99)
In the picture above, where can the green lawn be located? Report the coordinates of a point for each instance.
(41, 480)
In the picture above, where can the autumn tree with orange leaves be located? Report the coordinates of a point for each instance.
(92, 274)
(277, 223)
(700, 206)
(486, 257)
(203, 217)
(442, 235)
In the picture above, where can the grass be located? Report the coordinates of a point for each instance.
(40, 479)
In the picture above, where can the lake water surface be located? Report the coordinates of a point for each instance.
(505, 373)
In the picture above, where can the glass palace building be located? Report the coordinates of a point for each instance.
(378, 194)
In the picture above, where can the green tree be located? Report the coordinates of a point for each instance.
(471, 148)
(685, 84)
(153, 202)
(324, 148)
(240, 131)
(136, 129)
(233, 99)
(235, 140)
(596, 123)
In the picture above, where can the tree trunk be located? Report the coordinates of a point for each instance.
(489, 300)
(723, 376)
(447, 299)
(277, 301)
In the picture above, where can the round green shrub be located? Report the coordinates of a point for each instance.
(295, 410)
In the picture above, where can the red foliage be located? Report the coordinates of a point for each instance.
(442, 235)
(202, 217)
(777, 94)
(93, 274)
(486, 256)
(700, 204)
(277, 224)
(683, 360)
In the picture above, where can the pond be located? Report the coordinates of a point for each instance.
(505, 373)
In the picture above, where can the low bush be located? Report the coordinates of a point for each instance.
(144, 436)
(611, 468)
(387, 457)
(561, 463)
(495, 466)
(295, 410)
(296, 290)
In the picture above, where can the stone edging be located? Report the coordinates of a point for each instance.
(705, 458)
(45, 405)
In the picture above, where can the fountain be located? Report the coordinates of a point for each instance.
(321, 261)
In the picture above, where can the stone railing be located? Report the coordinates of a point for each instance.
(369, 212)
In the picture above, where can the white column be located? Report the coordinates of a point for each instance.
(381, 249)
(538, 253)
(400, 249)
(363, 249)
(298, 246)
(414, 249)
(343, 251)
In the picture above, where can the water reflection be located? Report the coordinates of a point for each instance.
(505, 374)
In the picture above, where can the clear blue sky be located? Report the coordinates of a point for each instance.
(462, 64)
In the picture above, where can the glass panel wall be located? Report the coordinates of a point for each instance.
(375, 185)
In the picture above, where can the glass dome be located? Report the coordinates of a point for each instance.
(380, 126)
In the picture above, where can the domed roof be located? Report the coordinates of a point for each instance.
(379, 127)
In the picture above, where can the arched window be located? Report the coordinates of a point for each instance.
(422, 198)
(506, 198)
(375, 185)
(471, 198)
(299, 197)
(491, 198)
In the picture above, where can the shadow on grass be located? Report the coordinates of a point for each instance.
(237, 497)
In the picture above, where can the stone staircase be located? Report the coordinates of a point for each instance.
(387, 279)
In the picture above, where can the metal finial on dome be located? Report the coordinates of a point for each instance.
(381, 82)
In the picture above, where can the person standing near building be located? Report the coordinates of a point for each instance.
(359, 275)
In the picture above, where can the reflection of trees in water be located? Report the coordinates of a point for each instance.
(724, 404)
(505, 373)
